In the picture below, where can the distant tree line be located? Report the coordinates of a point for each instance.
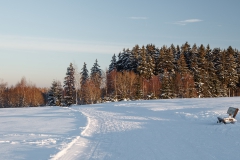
(145, 72)
(23, 94)
(174, 72)
(162, 73)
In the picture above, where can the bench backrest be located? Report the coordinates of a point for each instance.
(232, 111)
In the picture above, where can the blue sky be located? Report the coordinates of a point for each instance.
(39, 39)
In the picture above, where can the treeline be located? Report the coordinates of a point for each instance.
(23, 94)
(167, 72)
(145, 72)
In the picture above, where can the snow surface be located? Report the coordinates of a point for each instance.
(154, 129)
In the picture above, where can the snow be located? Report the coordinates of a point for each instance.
(153, 129)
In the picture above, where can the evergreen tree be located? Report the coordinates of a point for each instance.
(238, 68)
(169, 60)
(120, 65)
(96, 74)
(95, 83)
(166, 92)
(202, 78)
(113, 64)
(84, 74)
(83, 82)
(152, 51)
(135, 55)
(69, 87)
(182, 66)
(149, 68)
(185, 50)
(130, 64)
(180, 77)
(160, 63)
(231, 70)
(220, 64)
(142, 63)
(138, 88)
(55, 94)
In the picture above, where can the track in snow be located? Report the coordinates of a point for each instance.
(162, 129)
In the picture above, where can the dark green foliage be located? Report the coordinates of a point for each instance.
(166, 91)
(96, 74)
(69, 88)
(138, 86)
(84, 74)
(113, 64)
(55, 94)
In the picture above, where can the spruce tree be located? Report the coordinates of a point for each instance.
(83, 82)
(160, 62)
(96, 73)
(238, 67)
(231, 70)
(55, 94)
(113, 64)
(220, 64)
(69, 87)
(84, 74)
(135, 54)
(138, 88)
(166, 91)
(95, 81)
(142, 63)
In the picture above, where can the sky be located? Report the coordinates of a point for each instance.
(39, 39)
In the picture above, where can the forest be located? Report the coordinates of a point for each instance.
(146, 72)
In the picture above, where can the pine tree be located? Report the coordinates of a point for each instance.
(135, 54)
(130, 64)
(120, 65)
(203, 77)
(152, 51)
(220, 64)
(166, 92)
(55, 94)
(113, 64)
(169, 60)
(84, 74)
(69, 87)
(180, 77)
(185, 49)
(231, 70)
(96, 74)
(138, 88)
(142, 62)
(238, 67)
(83, 82)
(95, 83)
(160, 63)
(182, 66)
(149, 68)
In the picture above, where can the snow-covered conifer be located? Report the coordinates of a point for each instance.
(55, 94)
(166, 92)
(95, 70)
(69, 87)
(113, 64)
(84, 74)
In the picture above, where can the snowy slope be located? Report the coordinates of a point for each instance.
(156, 129)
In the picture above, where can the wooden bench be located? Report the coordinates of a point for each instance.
(232, 112)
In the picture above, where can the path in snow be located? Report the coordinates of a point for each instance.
(37, 132)
(159, 129)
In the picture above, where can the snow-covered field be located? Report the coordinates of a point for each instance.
(155, 129)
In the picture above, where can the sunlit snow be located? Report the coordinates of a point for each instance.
(154, 129)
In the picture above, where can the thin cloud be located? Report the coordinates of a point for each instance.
(38, 44)
(188, 21)
(138, 18)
